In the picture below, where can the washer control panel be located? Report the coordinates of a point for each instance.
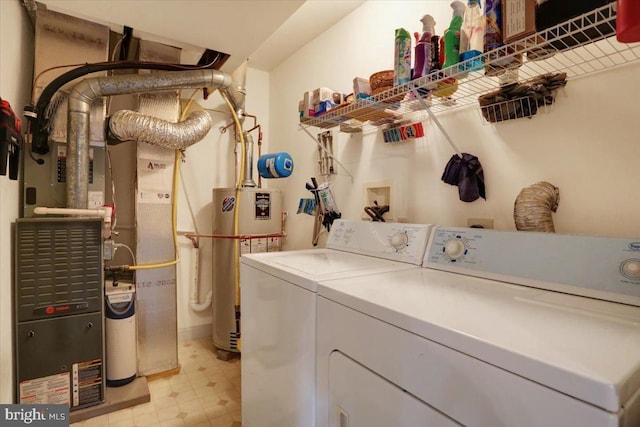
(394, 241)
(585, 265)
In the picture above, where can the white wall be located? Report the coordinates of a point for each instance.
(16, 51)
(587, 146)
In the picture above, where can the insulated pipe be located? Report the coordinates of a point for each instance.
(86, 91)
(40, 210)
(194, 303)
(132, 126)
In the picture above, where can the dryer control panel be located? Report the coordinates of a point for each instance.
(393, 241)
(599, 267)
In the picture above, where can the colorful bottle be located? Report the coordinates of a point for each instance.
(493, 25)
(402, 60)
(452, 35)
(472, 36)
(628, 22)
(422, 65)
(435, 53)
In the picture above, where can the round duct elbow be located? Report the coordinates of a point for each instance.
(131, 126)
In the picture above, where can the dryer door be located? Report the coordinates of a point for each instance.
(358, 397)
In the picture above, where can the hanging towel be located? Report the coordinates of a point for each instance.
(466, 173)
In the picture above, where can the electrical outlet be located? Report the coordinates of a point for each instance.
(480, 222)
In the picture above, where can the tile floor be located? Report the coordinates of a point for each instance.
(205, 393)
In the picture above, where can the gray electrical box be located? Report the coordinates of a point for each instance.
(59, 352)
(46, 184)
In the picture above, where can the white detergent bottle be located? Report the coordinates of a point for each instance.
(472, 36)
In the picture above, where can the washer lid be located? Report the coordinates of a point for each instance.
(586, 348)
(307, 267)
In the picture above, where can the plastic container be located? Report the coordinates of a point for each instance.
(276, 165)
(422, 65)
(402, 59)
(472, 36)
(452, 35)
(628, 21)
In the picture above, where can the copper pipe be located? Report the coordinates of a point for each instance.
(283, 233)
(234, 237)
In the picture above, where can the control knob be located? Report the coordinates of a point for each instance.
(399, 241)
(454, 248)
(631, 269)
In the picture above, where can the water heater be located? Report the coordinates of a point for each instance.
(259, 213)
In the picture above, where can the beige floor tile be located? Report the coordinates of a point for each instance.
(186, 396)
(101, 421)
(172, 423)
(206, 392)
(145, 420)
(223, 421)
(168, 413)
(163, 402)
(145, 408)
(195, 418)
(182, 386)
(190, 406)
(199, 380)
(122, 415)
(215, 411)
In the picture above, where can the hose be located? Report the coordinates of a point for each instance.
(174, 221)
(236, 255)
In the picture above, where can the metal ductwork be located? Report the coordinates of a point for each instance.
(127, 125)
(86, 91)
(237, 92)
(248, 161)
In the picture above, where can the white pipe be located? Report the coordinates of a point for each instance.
(41, 210)
(195, 305)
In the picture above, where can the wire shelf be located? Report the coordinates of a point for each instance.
(580, 46)
(519, 108)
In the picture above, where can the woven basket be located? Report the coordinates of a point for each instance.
(381, 82)
(533, 207)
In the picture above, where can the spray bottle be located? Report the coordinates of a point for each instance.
(472, 35)
(402, 60)
(452, 35)
(422, 65)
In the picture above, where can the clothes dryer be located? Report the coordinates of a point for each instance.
(499, 329)
(278, 325)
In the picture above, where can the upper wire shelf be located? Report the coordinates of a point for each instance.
(580, 46)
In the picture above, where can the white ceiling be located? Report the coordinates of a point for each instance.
(265, 31)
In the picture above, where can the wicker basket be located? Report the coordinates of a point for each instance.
(383, 81)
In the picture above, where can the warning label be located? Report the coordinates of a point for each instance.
(263, 206)
(53, 389)
(87, 382)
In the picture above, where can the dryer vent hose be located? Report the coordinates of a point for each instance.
(534, 205)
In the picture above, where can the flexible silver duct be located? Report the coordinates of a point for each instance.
(132, 126)
(86, 91)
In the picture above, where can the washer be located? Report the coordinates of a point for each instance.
(499, 329)
(278, 293)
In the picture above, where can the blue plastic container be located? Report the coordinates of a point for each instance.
(276, 165)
